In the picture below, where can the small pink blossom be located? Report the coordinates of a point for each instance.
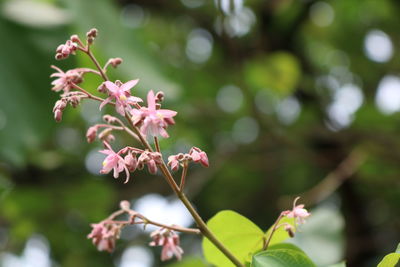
(199, 156)
(298, 212)
(64, 79)
(121, 94)
(113, 161)
(154, 121)
(173, 162)
(169, 240)
(104, 236)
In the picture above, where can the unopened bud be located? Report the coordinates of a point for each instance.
(118, 83)
(289, 229)
(160, 96)
(109, 119)
(58, 115)
(115, 61)
(59, 56)
(92, 33)
(91, 134)
(102, 88)
(131, 162)
(125, 205)
(74, 38)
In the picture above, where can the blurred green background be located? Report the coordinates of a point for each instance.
(288, 97)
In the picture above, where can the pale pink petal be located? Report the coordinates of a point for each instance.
(167, 112)
(111, 86)
(128, 85)
(134, 99)
(105, 102)
(151, 102)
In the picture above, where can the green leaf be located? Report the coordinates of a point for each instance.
(391, 259)
(189, 262)
(280, 234)
(241, 236)
(282, 255)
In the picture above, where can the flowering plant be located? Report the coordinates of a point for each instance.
(228, 238)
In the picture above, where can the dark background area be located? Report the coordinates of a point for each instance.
(288, 98)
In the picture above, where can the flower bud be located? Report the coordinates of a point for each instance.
(125, 205)
(92, 33)
(115, 61)
(109, 119)
(74, 38)
(152, 167)
(91, 134)
(58, 115)
(131, 162)
(290, 230)
(102, 88)
(160, 96)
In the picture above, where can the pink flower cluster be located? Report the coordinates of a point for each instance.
(169, 240)
(195, 154)
(105, 234)
(116, 162)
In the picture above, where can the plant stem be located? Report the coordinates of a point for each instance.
(274, 228)
(92, 57)
(183, 176)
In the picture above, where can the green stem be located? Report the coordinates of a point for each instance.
(274, 228)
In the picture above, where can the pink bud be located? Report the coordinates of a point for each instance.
(204, 159)
(131, 162)
(152, 166)
(125, 205)
(74, 38)
(91, 134)
(58, 115)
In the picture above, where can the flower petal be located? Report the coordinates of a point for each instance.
(111, 86)
(128, 85)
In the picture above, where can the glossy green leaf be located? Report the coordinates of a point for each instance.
(282, 255)
(241, 236)
(391, 260)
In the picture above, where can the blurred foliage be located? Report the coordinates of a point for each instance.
(308, 96)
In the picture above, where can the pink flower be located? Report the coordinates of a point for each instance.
(169, 240)
(104, 236)
(199, 156)
(113, 161)
(154, 121)
(64, 79)
(173, 162)
(298, 212)
(122, 95)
